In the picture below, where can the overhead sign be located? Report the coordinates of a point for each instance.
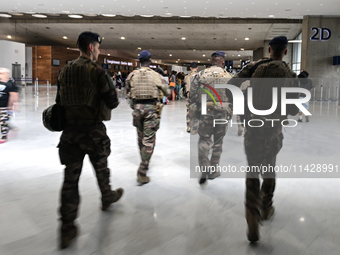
(108, 61)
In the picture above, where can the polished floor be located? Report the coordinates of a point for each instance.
(172, 214)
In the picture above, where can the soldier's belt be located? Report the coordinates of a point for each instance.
(146, 101)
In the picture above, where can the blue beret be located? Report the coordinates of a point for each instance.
(144, 54)
(91, 35)
(218, 54)
(193, 65)
(279, 40)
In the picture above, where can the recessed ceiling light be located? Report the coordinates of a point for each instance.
(147, 16)
(185, 16)
(108, 15)
(199, 61)
(108, 54)
(3, 15)
(123, 38)
(168, 13)
(235, 39)
(247, 39)
(241, 49)
(155, 61)
(64, 37)
(239, 55)
(271, 16)
(194, 50)
(208, 59)
(176, 61)
(9, 37)
(183, 38)
(139, 48)
(73, 16)
(39, 16)
(68, 48)
(203, 55)
(170, 55)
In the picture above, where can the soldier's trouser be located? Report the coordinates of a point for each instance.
(146, 121)
(261, 147)
(4, 120)
(206, 130)
(75, 143)
(188, 117)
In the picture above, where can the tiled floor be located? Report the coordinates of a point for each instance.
(172, 214)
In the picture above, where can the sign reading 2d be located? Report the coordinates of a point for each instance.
(322, 34)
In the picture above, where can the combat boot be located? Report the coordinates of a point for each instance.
(188, 129)
(253, 233)
(267, 213)
(240, 130)
(299, 120)
(214, 175)
(68, 232)
(143, 179)
(115, 196)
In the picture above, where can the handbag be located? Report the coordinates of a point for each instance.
(172, 83)
(54, 116)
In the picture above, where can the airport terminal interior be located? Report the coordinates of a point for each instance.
(173, 214)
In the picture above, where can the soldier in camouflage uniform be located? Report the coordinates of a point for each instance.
(262, 144)
(204, 82)
(188, 79)
(143, 87)
(88, 96)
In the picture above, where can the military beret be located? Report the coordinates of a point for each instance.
(193, 65)
(88, 34)
(279, 40)
(144, 54)
(218, 54)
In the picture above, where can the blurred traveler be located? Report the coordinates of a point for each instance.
(143, 87)
(263, 143)
(188, 80)
(204, 82)
(306, 84)
(172, 85)
(88, 96)
(9, 96)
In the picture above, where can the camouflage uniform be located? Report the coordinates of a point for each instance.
(88, 95)
(206, 130)
(146, 115)
(262, 144)
(4, 120)
(188, 80)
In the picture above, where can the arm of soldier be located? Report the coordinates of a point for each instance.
(106, 88)
(163, 86)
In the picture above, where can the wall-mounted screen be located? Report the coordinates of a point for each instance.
(126, 68)
(55, 62)
(104, 66)
(120, 67)
(109, 66)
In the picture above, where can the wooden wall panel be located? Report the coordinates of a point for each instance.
(43, 70)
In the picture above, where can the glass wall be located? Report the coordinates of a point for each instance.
(296, 62)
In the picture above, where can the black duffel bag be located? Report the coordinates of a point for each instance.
(54, 118)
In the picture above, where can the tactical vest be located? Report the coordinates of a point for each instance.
(188, 80)
(143, 86)
(76, 87)
(268, 75)
(212, 76)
